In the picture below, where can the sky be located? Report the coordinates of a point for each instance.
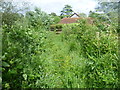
(81, 6)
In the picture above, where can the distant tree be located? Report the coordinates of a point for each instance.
(82, 15)
(107, 7)
(56, 19)
(53, 14)
(93, 14)
(10, 18)
(110, 10)
(67, 11)
(38, 18)
(10, 12)
(100, 17)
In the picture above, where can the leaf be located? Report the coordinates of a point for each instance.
(12, 71)
(5, 64)
(25, 76)
(19, 67)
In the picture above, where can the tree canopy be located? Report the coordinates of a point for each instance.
(11, 11)
(67, 11)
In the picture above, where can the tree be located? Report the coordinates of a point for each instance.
(53, 14)
(82, 15)
(110, 10)
(10, 6)
(10, 18)
(67, 11)
(54, 17)
(106, 11)
(38, 18)
(107, 7)
(11, 11)
(93, 14)
(99, 17)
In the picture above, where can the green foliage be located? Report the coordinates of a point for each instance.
(107, 6)
(56, 27)
(39, 18)
(110, 11)
(67, 11)
(10, 18)
(100, 17)
(21, 48)
(100, 50)
(82, 56)
(56, 19)
(82, 15)
(11, 12)
(53, 14)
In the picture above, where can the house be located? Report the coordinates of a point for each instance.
(75, 15)
(68, 20)
(72, 19)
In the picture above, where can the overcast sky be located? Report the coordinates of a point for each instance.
(82, 6)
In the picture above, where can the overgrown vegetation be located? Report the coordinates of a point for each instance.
(82, 56)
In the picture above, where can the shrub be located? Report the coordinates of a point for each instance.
(21, 47)
(100, 50)
(56, 27)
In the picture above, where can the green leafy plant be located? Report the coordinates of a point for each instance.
(83, 56)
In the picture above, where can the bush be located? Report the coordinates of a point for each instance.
(20, 52)
(56, 27)
(38, 18)
(99, 48)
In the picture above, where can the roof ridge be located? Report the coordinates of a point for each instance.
(74, 14)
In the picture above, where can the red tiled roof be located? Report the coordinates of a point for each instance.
(68, 20)
(74, 20)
